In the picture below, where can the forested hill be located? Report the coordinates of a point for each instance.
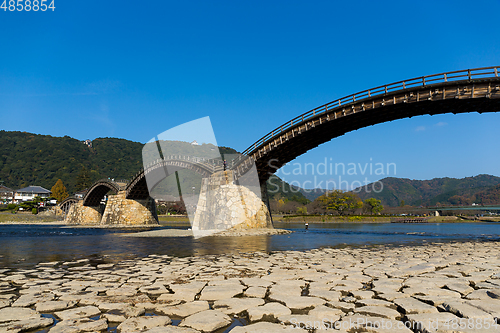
(32, 159)
(481, 189)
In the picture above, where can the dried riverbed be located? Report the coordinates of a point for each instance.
(453, 286)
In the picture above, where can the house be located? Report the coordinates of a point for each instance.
(88, 143)
(195, 143)
(81, 194)
(30, 192)
(6, 194)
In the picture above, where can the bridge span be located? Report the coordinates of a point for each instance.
(470, 90)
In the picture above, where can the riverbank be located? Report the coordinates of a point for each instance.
(374, 219)
(182, 221)
(225, 233)
(28, 218)
(427, 287)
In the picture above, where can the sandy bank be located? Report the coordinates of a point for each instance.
(226, 233)
(33, 222)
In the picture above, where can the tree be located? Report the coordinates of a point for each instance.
(402, 203)
(302, 210)
(373, 205)
(316, 207)
(340, 201)
(59, 191)
(290, 207)
(83, 180)
(277, 203)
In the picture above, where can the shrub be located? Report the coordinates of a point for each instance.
(11, 206)
(34, 211)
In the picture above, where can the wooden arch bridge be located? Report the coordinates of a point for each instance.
(471, 90)
(137, 188)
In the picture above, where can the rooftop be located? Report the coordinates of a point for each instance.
(33, 189)
(5, 189)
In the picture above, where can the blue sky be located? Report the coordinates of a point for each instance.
(133, 69)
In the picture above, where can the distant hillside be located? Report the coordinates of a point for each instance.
(33, 159)
(29, 159)
(278, 188)
(481, 189)
(312, 194)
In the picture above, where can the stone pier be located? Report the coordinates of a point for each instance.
(84, 215)
(119, 211)
(223, 204)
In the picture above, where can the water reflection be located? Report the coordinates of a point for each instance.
(25, 245)
(231, 245)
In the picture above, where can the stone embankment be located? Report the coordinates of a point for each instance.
(453, 287)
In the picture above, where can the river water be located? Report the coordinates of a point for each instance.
(26, 245)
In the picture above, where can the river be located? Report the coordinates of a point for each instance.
(26, 245)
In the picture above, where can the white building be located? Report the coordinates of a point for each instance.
(88, 143)
(6, 194)
(29, 193)
(81, 193)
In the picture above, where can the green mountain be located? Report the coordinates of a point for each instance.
(312, 194)
(481, 189)
(279, 189)
(33, 159)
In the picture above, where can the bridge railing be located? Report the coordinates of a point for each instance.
(111, 180)
(423, 81)
(215, 164)
(193, 159)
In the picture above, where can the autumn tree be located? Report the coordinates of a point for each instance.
(59, 191)
(302, 210)
(83, 180)
(342, 202)
(316, 207)
(277, 204)
(290, 207)
(373, 205)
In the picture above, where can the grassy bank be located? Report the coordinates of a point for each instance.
(174, 220)
(372, 219)
(8, 217)
(330, 219)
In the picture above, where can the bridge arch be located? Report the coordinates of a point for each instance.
(139, 187)
(98, 190)
(66, 203)
(471, 90)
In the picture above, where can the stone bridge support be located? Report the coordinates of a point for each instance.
(83, 215)
(119, 211)
(223, 205)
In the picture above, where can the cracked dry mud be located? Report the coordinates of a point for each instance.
(450, 287)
